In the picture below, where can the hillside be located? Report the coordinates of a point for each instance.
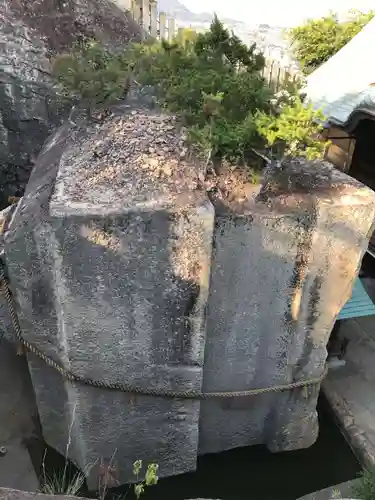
(269, 39)
(178, 10)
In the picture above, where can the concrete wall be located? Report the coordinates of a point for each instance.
(124, 270)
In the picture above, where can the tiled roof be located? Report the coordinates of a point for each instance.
(347, 80)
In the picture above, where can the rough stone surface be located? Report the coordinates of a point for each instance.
(342, 491)
(16, 468)
(6, 326)
(18, 409)
(18, 420)
(273, 303)
(119, 279)
(114, 256)
(13, 494)
(31, 32)
(350, 388)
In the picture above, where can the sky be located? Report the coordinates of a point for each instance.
(276, 12)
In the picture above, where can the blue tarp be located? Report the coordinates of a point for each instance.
(359, 304)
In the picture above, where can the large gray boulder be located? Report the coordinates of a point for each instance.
(31, 33)
(124, 270)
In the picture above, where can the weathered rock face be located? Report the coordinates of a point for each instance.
(30, 34)
(147, 232)
(10, 494)
(116, 256)
(282, 268)
(18, 420)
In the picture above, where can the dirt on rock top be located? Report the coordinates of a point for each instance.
(137, 158)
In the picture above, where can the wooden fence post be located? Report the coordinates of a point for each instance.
(180, 36)
(270, 73)
(137, 11)
(154, 18)
(277, 76)
(162, 25)
(146, 16)
(171, 28)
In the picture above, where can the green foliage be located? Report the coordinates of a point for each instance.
(65, 482)
(186, 37)
(92, 74)
(219, 44)
(211, 79)
(294, 130)
(213, 82)
(59, 484)
(151, 477)
(364, 488)
(319, 39)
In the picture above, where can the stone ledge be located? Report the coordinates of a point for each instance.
(9, 494)
(338, 491)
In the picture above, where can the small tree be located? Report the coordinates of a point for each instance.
(218, 42)
(293, 130)
(92, 74)
(317, 40)
(186, 37)
(214, 82)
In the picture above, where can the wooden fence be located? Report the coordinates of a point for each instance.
(145, 13)
(277, 75)
(161, 26)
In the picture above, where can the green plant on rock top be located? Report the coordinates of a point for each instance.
(293, 130)
(213, 82)
(93, 75)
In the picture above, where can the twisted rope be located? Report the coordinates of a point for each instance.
(124, 387)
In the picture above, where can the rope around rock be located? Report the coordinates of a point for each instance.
(124, 387)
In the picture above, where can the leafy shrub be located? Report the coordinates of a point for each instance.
(319, 39)
(92, 74)
(218, 43)
(213, 81)
(293, 130)
(364, 488)
(186, 37)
